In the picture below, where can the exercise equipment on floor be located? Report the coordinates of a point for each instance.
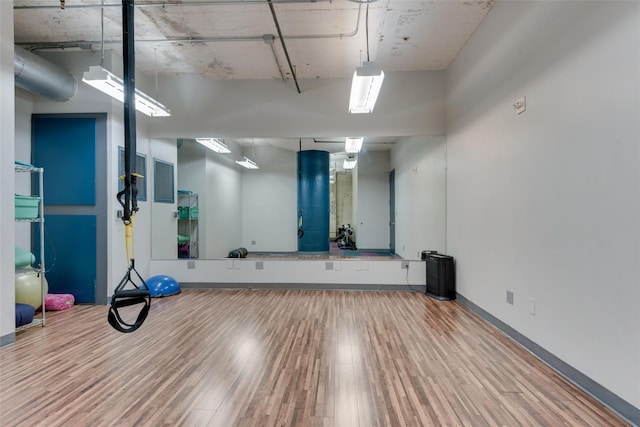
(162, 286)
(59, 302)
(238, 253)
(345, 238)
(132, 289)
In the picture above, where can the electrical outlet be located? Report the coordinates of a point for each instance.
(191, 265)
(510, 297)
(404, 265)
(253, 243)
(328, 265)
(259, 265)
(532, 306)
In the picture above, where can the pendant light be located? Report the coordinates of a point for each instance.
(366, 83)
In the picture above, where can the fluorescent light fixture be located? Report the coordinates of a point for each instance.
(247, 163)
(365, 87)
(353, 145)
(113, 86)
(349, 162)
(214, 145)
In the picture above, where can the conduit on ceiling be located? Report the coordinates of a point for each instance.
(174, 3)
(86, 44)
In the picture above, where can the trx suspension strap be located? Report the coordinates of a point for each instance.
(132, 289)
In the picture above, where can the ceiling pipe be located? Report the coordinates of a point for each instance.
(177, 3)
(284, 46)
(86, 44)
(41, 77)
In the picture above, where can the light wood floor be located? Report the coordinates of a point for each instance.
(283, 357)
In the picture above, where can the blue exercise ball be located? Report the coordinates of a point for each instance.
(162, 286)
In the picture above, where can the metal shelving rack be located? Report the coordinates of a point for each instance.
(19, 167)
(188, 223)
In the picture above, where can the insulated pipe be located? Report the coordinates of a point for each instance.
(37, 75)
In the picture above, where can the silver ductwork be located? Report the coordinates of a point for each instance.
(37, 75)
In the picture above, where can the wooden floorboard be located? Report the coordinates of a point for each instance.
(284, 358)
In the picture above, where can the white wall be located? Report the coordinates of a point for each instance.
(23, 110)
(269, 201)
(420, 195)
(164, 226)
(7, 176)
(307, 273)
(223, 204)
(372, 221)
(410, 103)
(547, 203)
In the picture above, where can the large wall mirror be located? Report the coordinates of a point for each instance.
(222, 205)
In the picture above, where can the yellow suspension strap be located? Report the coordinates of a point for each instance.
(132, 289)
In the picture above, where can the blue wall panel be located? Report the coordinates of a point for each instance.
(70, 255)
(66, 149)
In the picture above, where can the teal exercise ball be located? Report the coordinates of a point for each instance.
(28, 290)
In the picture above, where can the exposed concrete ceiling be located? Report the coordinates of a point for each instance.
(230, 39)
(239, 39)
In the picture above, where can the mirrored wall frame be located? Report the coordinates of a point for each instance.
(241, 201)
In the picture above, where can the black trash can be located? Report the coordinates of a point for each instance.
(441, 281)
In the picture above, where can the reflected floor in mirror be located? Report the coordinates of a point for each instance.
(284, 358)
(335, 252)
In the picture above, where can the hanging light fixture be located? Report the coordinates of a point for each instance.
(353, 145)
(247, 163)
(214, 145)
(365, 87)
(366, 82)
(112, 85)
(350, 162)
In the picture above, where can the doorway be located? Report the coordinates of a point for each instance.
(72, 149)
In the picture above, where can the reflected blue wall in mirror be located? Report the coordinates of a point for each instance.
(313, 201)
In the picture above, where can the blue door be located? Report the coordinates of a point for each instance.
(71, 149)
